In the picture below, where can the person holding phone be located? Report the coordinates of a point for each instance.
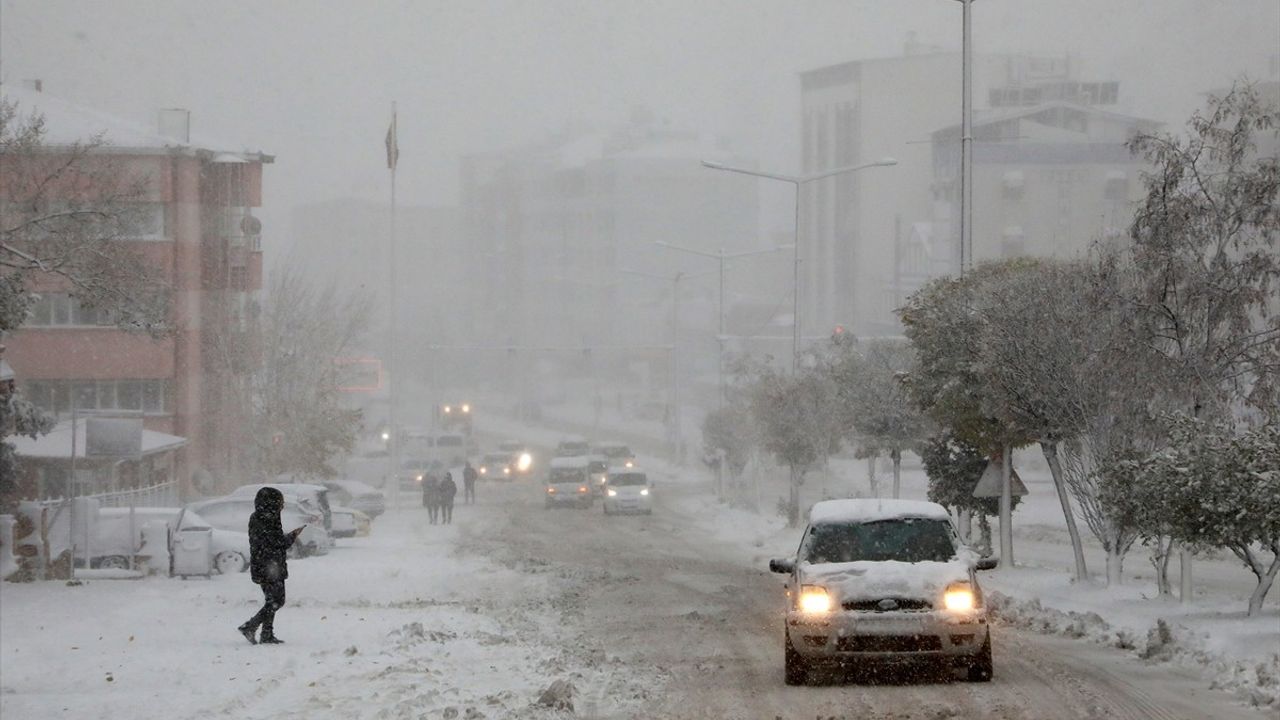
(268, 566)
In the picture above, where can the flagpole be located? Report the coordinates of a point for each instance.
(393, 366)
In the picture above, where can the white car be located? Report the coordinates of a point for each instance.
(616, 453)
(628, 491)
(232, 513)
(357, 496)
(348, 522)
(568, 482)
(883, 580)
(112, 547)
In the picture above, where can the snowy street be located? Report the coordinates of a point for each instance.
(658, 616)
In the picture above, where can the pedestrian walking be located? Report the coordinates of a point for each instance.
(469, 484)
(431, 496)
(448, 488)
(268, 563)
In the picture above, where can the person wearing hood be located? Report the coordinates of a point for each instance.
(448, 488)
(268, 566)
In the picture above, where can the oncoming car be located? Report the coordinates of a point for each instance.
(616, 454)
(568, 483)
(883, 580)
(496, 466)
(628, 490)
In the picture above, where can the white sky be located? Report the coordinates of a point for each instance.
(312, 82)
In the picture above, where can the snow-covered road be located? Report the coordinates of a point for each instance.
(649, 617)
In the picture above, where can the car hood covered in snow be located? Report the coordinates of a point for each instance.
(875, 580)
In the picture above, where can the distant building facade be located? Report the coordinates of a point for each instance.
(202, 239)
(869, 239)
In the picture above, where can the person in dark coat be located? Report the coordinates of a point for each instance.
(431, 495)
(469, 484)
(268, 565)
(448, 488)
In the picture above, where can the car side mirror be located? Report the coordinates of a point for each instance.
(782, 566)
(987, 563)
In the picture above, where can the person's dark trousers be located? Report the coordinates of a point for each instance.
(432, 511)
(470, 493)
(446, 513)
(273, 600)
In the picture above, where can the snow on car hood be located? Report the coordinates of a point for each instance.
(875, 580)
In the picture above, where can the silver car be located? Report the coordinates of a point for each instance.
(883, 580)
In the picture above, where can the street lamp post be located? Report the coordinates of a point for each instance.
(966, 142)
(798, 181)
(721, 257)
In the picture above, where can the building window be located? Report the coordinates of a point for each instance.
(146, 221)
(64, 310)
(54, 396)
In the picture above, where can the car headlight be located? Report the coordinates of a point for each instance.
(386, 435)
(630, 464)
(551, 490)
(484, 471)
(645, 491)
(582, 489)
(959, 598)
(506, 471)
(419, 478)
(613, 493)
(466, 408)
(814, 599)
(526, 460)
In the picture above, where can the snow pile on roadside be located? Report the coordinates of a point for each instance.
(1254, 680)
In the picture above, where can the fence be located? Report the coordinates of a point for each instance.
(160, 495)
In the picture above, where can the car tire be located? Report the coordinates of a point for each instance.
(229, 561)
(981, 668)
(795, 670)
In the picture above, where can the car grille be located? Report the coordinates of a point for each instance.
(903, 605)
(889, 643)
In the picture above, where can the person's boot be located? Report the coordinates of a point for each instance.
(270, 640)
(248, 631)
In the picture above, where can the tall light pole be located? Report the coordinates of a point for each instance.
(798, 181)
(721, 257)
(966, 141)
(675, 350)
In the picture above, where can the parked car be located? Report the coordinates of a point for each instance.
(628, 491)
(349, 522)
(232, 513)
(883, 580)
(112, 546)
(496, 466)
(568, 483)
(616, 453)
(357, 496)
(311, 497)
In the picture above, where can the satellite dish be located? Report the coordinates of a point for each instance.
(250, 225)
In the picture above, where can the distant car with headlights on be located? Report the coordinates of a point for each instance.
(496, 466)
(628, 491)
(568, 483)
(456, 417)
(883, 581)
(573, 446)
(598, 472)
(617, 454)
(521, 456)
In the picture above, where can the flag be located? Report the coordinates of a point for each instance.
(393, 144)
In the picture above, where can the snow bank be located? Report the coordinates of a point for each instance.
(1253, 679)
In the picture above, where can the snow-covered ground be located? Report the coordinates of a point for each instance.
(405, 623)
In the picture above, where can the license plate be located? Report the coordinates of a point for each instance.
(888, 626)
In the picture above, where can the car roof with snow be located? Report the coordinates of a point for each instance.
(283, 487)
(874, 509)
(576, 461)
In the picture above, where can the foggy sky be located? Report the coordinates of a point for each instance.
(312, 82)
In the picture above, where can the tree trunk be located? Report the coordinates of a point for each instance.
(1006, 508)
(1185, 589)
(984, 533)
(1050, 451)
(1115, 565)
(871, 476)
(966, 526)
(1265, 576)
(1160, 556)
(896, 456)
(793, 500)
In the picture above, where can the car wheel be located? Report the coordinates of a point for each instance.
(229, 561)
(981, 668)
(795, 669)
(114, 562)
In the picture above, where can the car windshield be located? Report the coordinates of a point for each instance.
(625, 479)
(904, 540)
(496, 459)
(616, 451)
(414, 465)
(565, 475)
(597, 466)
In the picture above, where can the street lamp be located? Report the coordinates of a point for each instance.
(675, 342)
(721, 256)
(798, 181)
(966, 141)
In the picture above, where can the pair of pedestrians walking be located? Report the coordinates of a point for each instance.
(437, 498)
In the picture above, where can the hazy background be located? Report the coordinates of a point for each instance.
(312, 82)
